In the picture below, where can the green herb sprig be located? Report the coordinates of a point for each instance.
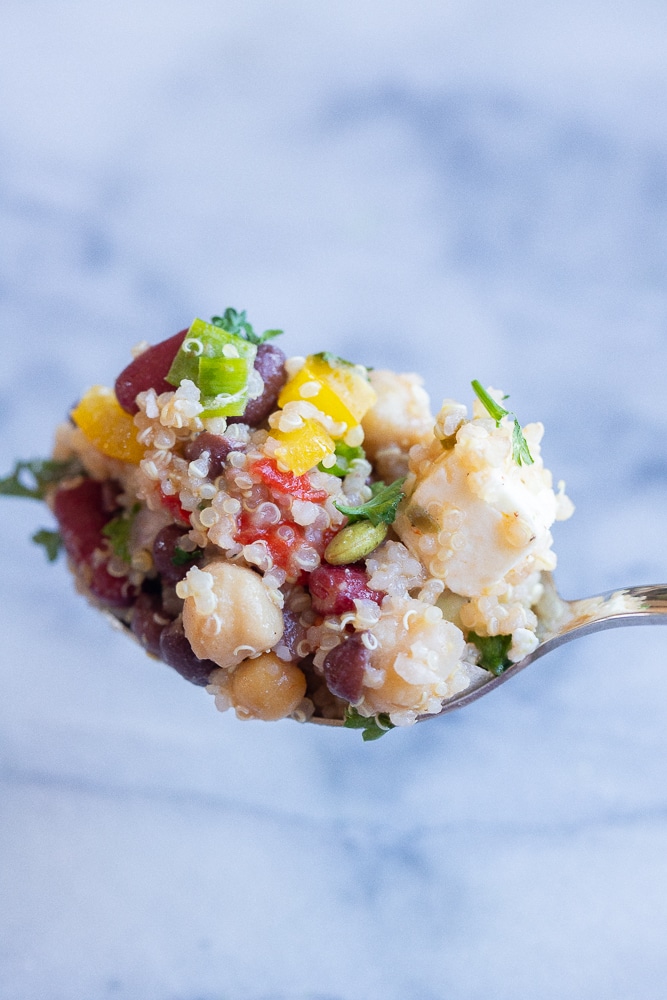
(493, 651)
(520, 450)
(52, 542)
(118, 531)
(381, 507)
(373, 727)
(34, 478)
(237, 323)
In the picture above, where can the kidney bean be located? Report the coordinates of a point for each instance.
(149, 621)
(344, 669)
(270, 363)
(176, 651)
(218, 447)
(334, 589)
(164, 551)
(81, 514)
(114, 591)
(148, 371)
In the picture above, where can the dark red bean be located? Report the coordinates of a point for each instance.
(164, 553)
(218, 448)
(149, 621)
(177, 652)
(344, 669)
(112, 590)
(81, 515)
(293, 632)
(148, 371)
(334, 589)
(270, 363)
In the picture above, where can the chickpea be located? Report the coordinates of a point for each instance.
(266, 688)
(228, 613)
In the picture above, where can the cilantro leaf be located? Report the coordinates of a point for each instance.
(520, 450)
(494, 650)
(33, 478)
(381, 506)
(236, 322)
(52, 542)
(118, 531)
(373, 727)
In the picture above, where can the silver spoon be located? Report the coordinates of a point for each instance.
(561, 621)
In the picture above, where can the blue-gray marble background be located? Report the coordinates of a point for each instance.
(465, 188)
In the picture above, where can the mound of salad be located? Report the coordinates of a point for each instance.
(301, 536)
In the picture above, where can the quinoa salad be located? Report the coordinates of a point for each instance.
(302, 536)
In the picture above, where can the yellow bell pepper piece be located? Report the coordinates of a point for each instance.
(338, 390)
(106, 425)
(303, 448)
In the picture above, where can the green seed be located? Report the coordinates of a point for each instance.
(354, 542)
(420, 519)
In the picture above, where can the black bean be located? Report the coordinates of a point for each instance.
(149, 621)
(270, 363)
(344, 669)
(166, 549)
(176, 651)
(218, 447)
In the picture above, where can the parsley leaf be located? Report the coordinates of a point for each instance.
(181, 557)
(381, 506)
(494, 650)
(118, 531)
(33, 478)
(236, 322)
(520, 450)
(52, 542)
(333, 360)
(373, 727)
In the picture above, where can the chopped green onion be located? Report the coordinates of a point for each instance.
(219, 363)
(223, 383)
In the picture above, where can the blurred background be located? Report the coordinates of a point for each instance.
(463, 188)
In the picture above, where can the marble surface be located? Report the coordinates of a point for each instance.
(469, 189)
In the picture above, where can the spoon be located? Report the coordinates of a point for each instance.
(560, 621)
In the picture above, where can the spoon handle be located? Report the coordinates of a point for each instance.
(561, 621)
(629, 606)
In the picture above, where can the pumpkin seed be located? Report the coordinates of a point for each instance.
(354, 542)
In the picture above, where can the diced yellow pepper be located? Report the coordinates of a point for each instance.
(303, 448)
(338, 390)
(106, 425)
